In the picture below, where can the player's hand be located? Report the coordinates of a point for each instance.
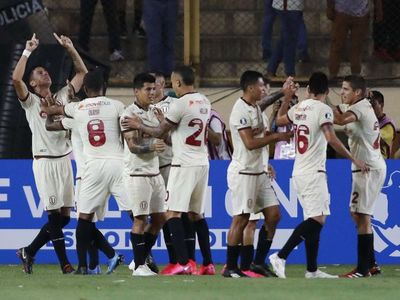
(159, 114)
(271, 172)
(286, 136)
(64, 41)
(32, 44)
(46, 103)
(132, 122)
(159, 145)
(361, 165)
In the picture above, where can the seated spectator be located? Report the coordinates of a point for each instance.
(348, 17)
(387, 128)
(218, 143)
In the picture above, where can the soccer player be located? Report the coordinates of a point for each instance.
(143, 181)
(98, 124)
(51, 166)
(187, 119)
(247, 179)
(362, 128)
(313, 125)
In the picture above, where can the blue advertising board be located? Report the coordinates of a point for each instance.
(22, 215)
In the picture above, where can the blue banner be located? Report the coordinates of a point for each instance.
(22, 215)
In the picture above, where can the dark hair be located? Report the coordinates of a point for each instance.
(186, 74)
(141, 78)
(378, 97)
(248, 78)
(158, 74)
(356, 82)
(318, 83)
(94, 80)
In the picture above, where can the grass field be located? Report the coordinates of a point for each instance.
(47, 282)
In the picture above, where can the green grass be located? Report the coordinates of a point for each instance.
(47, 282)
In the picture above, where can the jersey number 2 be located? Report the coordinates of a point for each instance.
(97, 137)
(193, 138)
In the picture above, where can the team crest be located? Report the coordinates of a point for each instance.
(143, 205)
(243, 121)
(328, 116)
(52, 200)
(250, 203)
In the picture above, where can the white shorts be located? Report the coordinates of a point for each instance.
(250, 193)
(146, 194)
(101, 178)
(365, 190)
(187, 188)
(256, 217)
(164, 171)
(54, 182)
(313, 194)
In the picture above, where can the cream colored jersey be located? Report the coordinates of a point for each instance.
(146, 163)
(364, 135)
(98, 124)
(190, 114)
(245, 115)
(308, 117)
(77, 145)
(265, 150)
(165, 157)
(45, 143)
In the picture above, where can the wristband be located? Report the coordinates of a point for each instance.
(26, 53)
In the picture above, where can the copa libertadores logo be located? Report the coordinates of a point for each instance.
(385, 224)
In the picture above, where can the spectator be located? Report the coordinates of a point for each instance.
(268, 22)
(137, 20)
(386, 31)
(290, 13)
(387, 128)
(159, 18)
(353, 17)
(218, 142)
(85, 23)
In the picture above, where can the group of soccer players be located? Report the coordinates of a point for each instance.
(160, 175)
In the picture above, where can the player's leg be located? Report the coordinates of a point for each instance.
(247, 250)
(190, 237)
(84, 236)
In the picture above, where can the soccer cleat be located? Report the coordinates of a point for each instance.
(167, 269)
(355, 274)
(179, 269)
(233, 273)
(375, 270)
(68, 269)
(319, 274)
(207, 270)
(278, 265)
(95, 271)
(27, 260)
(143, 270)
(151, 263)
(252, 274)
(262, 270)
(81, 271)
(114, 262)
(132, 265)
(193, 265)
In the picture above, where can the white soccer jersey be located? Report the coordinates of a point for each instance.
(146, 163)
(45, 143)
(165, 157)
(308, 117)
(364, 135)
(98, 125)
(190, 113)
(77, 145)
(265, 150)
(245, 115)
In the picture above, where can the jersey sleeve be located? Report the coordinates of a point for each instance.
(127, 112)
(70, 109)
(356, 109)
(27, 103)
(175, 112)
(240, 119)
(290, 113)
(62, 96)
(68, 123)
(325, 116)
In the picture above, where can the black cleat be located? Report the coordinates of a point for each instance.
(151, 263)
(262, 270)
(27, 260)
(233, 273)
(68, 269)
(81, 271)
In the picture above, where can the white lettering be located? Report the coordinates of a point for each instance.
(4, 213)
(36, 7)
(21, 11)
(36, 210)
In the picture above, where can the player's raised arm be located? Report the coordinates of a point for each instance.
(160, 131)
(251, 142)
(20, 87)
(343, 118)
(79, 66)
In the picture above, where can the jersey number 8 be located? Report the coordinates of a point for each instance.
(96, 136)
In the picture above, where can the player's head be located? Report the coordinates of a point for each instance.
(160, 85)
(144, 88)
(93, 83)
(182, 78)
(377, 101)
(318, 84)
(38, 77)
(353, 89)
(252, 84)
